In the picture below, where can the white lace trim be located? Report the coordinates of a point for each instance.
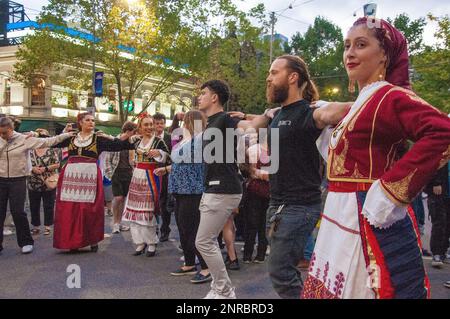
(379, 210)
(80, 142)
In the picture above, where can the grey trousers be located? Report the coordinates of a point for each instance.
(215, 209)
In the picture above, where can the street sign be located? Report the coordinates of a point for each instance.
(98, 83)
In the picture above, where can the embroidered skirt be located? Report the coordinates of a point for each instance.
(354, 260)
(143, 196)
(79, 210)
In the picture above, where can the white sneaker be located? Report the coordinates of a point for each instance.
(231, 295)
(211, 295)
(27, 249)
(116, 229)
(124, 228)
(7, 232)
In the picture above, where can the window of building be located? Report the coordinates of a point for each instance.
(38, 91)
(7, 96)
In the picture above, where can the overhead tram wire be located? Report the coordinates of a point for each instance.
(279, 13)
(299, 21)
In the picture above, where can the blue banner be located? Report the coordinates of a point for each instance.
(98, 83)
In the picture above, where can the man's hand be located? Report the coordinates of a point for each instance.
(237, 114)
(133, 139)
(127, 135)
(271, 112)
(160, 171)
(437, 190)
(68, 128)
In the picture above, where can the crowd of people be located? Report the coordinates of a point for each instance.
(353, 154)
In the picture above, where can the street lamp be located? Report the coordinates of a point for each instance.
(335, 90)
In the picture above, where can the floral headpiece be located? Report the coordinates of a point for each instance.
(142, 115)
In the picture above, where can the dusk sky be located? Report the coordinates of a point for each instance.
(339, 12)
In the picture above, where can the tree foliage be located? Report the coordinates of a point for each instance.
(432, 68)
(151, 38)
(239, 54)
(412, 30)
(322, 47)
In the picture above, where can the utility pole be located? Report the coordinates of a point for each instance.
(272, 23)
(94, 9)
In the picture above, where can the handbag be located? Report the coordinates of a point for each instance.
(51, 181)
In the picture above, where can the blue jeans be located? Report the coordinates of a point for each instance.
(309, 247)
(288, 240)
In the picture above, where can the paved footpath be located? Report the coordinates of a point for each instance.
(113, 272)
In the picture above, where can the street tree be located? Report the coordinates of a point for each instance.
(165, 40)
(431, 77)
(322, 47)
(412, 30)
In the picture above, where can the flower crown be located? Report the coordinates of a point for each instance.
(143, 115)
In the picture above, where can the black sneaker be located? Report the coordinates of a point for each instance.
(247, 260)
(233, 265)
(164, 237)
(181, 272)
(199, 278)
(426, 253)
(259, 259)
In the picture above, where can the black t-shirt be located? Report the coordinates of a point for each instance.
(297, 181)
(221, 177)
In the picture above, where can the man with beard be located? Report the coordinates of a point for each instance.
(295, 196)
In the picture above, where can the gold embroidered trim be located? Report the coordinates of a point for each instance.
(374, 271)
(339, 160)
(373, 129)
(445, 158)
(390, 160)
(356, 173)
(414, 97)
(400, 189)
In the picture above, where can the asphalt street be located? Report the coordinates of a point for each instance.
(113, 272)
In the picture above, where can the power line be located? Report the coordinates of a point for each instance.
(291, 6)
(299, 21)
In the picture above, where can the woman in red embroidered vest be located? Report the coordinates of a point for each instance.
(79, 214)
(368, 244)
(143, 196)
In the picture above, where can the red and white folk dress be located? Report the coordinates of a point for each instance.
(79, 211)
(143, 195)
(368, 244)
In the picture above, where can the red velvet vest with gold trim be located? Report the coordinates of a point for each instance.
(373, 139)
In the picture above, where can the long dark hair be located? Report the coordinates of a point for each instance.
(296, 64)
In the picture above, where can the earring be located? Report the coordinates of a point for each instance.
(381, 77)
(351, 86)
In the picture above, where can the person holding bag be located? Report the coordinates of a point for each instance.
(42, 185)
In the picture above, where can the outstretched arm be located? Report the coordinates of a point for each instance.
(61, 140)
(331, 114)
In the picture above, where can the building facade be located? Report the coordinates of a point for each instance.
(49, 105)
